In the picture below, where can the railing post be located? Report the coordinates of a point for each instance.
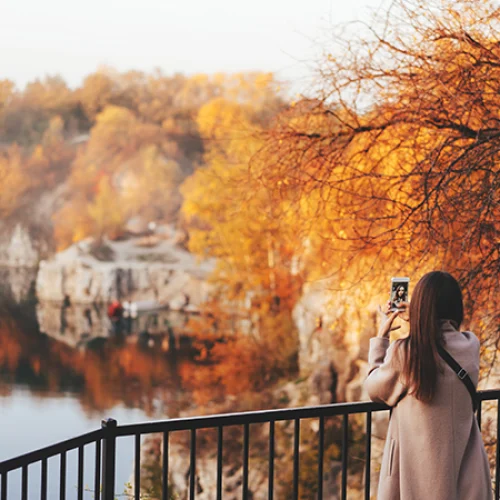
(108, 459)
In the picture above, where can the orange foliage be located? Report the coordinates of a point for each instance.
(392, 170)
(237, 364)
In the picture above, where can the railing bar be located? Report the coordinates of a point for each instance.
(165, 494)
(192, 465)
(479, 411)
(97, 472)
(321, 452)
(296, 458)
(497, 457)
(24, 483)
(108, 474)
(80, 472)
(3, 495)
(62, 477)
(49, 451)
(368, 454)
(270, 494)
(43, 480)
(345, 439)
(246, 442)
(137, 468)
(220, 436)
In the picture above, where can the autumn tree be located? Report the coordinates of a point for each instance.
(408, 178)
(14, 180)
(232, 218)
(96, 92)
(7, 90)
(127, 168)
(150, 188)
(50, 160)
(27, 114)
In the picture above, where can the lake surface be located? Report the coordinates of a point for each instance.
(30, 422)
(60, 383)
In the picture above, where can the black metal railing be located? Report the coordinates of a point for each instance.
(104, 442)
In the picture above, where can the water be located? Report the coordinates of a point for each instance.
(59, 379)
(31, 421)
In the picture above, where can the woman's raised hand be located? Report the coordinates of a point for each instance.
(387, 318)
(404, 310)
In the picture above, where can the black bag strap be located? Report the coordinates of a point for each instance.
(461, 373)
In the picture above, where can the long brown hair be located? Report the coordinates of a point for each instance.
(437, 296)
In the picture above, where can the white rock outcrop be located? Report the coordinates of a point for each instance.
(17, 248)
(161, 271)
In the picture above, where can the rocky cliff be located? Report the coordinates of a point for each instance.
(17, 247)
(150, 268)
(333, 343)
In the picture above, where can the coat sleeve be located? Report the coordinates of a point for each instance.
(383, 382)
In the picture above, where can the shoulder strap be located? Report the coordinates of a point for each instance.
(461, 373)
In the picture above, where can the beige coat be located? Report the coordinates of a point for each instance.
(433, 451)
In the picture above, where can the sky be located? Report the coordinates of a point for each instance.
(73, 39)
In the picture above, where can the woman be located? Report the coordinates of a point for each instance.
(399, 296)
(434, 448)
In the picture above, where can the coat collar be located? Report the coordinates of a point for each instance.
(448, 326)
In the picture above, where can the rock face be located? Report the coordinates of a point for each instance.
(17, 248)
(17, 282)
(133, 270)
(332, 351)
(28, 237)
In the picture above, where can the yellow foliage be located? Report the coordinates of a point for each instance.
(96, 93)
(149, 187)
(14, 180)
(6, 92)
(72, 223)
(106, 210)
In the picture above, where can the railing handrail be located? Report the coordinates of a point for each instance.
(51, 450)
(207, 422)
(248, 417)
(488, 394)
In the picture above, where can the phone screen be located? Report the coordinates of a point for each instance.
(399, 292)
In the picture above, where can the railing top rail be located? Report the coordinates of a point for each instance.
(241, 418)
(50, 451)
(207, 422)
(489, 394)
(249, 417)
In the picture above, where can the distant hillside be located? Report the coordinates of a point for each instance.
(84, 162)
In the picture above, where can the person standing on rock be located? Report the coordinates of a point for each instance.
(434, 449)
(115, 314)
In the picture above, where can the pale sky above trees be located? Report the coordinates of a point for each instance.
(189, 36)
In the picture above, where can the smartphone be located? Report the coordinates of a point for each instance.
(399, 291)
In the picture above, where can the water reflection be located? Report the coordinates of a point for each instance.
(53, 350)
(79, 325)
(63, 369)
